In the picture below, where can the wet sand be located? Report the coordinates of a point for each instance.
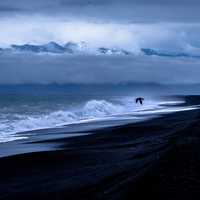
(156, 159)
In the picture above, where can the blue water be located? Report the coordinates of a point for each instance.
(30, 108)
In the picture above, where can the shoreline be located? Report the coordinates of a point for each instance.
(111, 163)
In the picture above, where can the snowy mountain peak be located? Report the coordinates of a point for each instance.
(153, 52)
(53, 47)
(71, 47)
(84, 48)
(111, 51)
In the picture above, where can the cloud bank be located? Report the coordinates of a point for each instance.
(39, 30)
(129, 24)
(97, 70)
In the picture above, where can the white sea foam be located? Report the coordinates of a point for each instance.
(91, 110)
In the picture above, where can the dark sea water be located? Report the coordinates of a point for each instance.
(26, 108)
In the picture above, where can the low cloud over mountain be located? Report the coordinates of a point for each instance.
(91, 69)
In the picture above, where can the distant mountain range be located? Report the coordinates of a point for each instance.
(152, 52)
(83, 48)
(51, 47)
(70, 48)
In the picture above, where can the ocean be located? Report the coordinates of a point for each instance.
(28, 108)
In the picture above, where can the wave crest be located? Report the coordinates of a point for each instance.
(10, 123)
(100, 108)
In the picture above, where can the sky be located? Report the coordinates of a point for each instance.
(131, 23)
(172, 25)
(108, 10)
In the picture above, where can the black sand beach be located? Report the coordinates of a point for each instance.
(155, 159)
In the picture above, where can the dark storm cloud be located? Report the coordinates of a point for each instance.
(9, 9)
(58, 3)
(128, 10)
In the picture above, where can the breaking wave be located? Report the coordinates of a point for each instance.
(91, 110)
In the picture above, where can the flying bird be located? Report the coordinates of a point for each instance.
(140, 100)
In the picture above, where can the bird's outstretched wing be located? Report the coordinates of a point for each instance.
(140, 99)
